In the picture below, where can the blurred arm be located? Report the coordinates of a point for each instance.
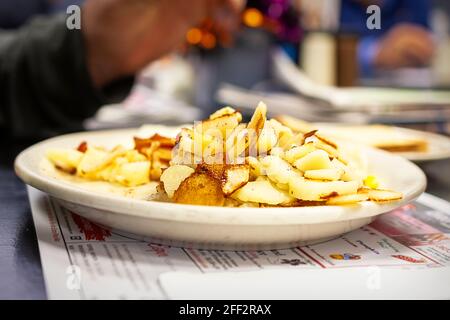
(45, 86)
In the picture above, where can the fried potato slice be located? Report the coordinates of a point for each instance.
(66, 160)
(231, 177)
(256, 168)
(267, 140)
(95, 159)
(332, 174)
(278, 170)
(315, 160)
(236, 143)
(133, 173)
(173, 176)
(262, 191)
(379, 195)
(298, 152)
(200, 188)
(305, 189)
(347, 199)
(258, 119)
(225, 111)
(234, 177)
(222, 125)
(165, 142)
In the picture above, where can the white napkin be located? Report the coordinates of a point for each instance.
(348, 283)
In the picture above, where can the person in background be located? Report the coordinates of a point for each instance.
(404, 39)
(52, 78)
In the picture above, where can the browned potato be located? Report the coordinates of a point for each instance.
(235, 176)
(231, 177)
(200, 189)
(379, 195)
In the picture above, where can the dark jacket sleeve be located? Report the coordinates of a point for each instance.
(45, 87)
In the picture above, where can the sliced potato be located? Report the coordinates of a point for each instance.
(277, 151)
(332, 174)
(267, 140)
(315, 160)
(261, 191)
(134, 155)
(200, 188)
(164, 154)
(379, 195)
(350, 173)
(231, 177)
(223, 124)
(173, 176)
(298, 152)
(304, 189)
(65, 159)
(278, 170)
(133, 173)
(236, 144)
(234, 177)
(325, 139)
(327, 148)
(94, 159)
(225, 111)
(347, 199)
(284, 133)
(258, 119)
(256, 168)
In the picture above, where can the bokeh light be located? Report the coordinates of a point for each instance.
(253, 18)
(194, 36)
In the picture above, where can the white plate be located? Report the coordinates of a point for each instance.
(438, 145)
(211, 227)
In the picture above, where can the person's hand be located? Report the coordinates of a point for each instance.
(123, 36)
(406, 45)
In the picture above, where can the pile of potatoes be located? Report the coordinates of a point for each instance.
(221, 161)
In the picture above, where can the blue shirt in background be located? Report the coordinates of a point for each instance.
(354, 17)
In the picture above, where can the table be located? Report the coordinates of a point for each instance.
(20, 268)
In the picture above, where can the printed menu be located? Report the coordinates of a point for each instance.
(83, 260)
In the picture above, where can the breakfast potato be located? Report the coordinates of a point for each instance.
(258, 119)
(267, 140)
(262, 191)
(200, 188)
(173, 176)
(315, 160)
(298, 152)
(231, 177)
(225, 111)
(133, 173)
(256, 168)
(332, 174)
(223, 124)
(66, 160)
(93, 160)
(278, 170)
(347, 199)
(379, 195)
(236, 144)
(234, 177)
(305, 189)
